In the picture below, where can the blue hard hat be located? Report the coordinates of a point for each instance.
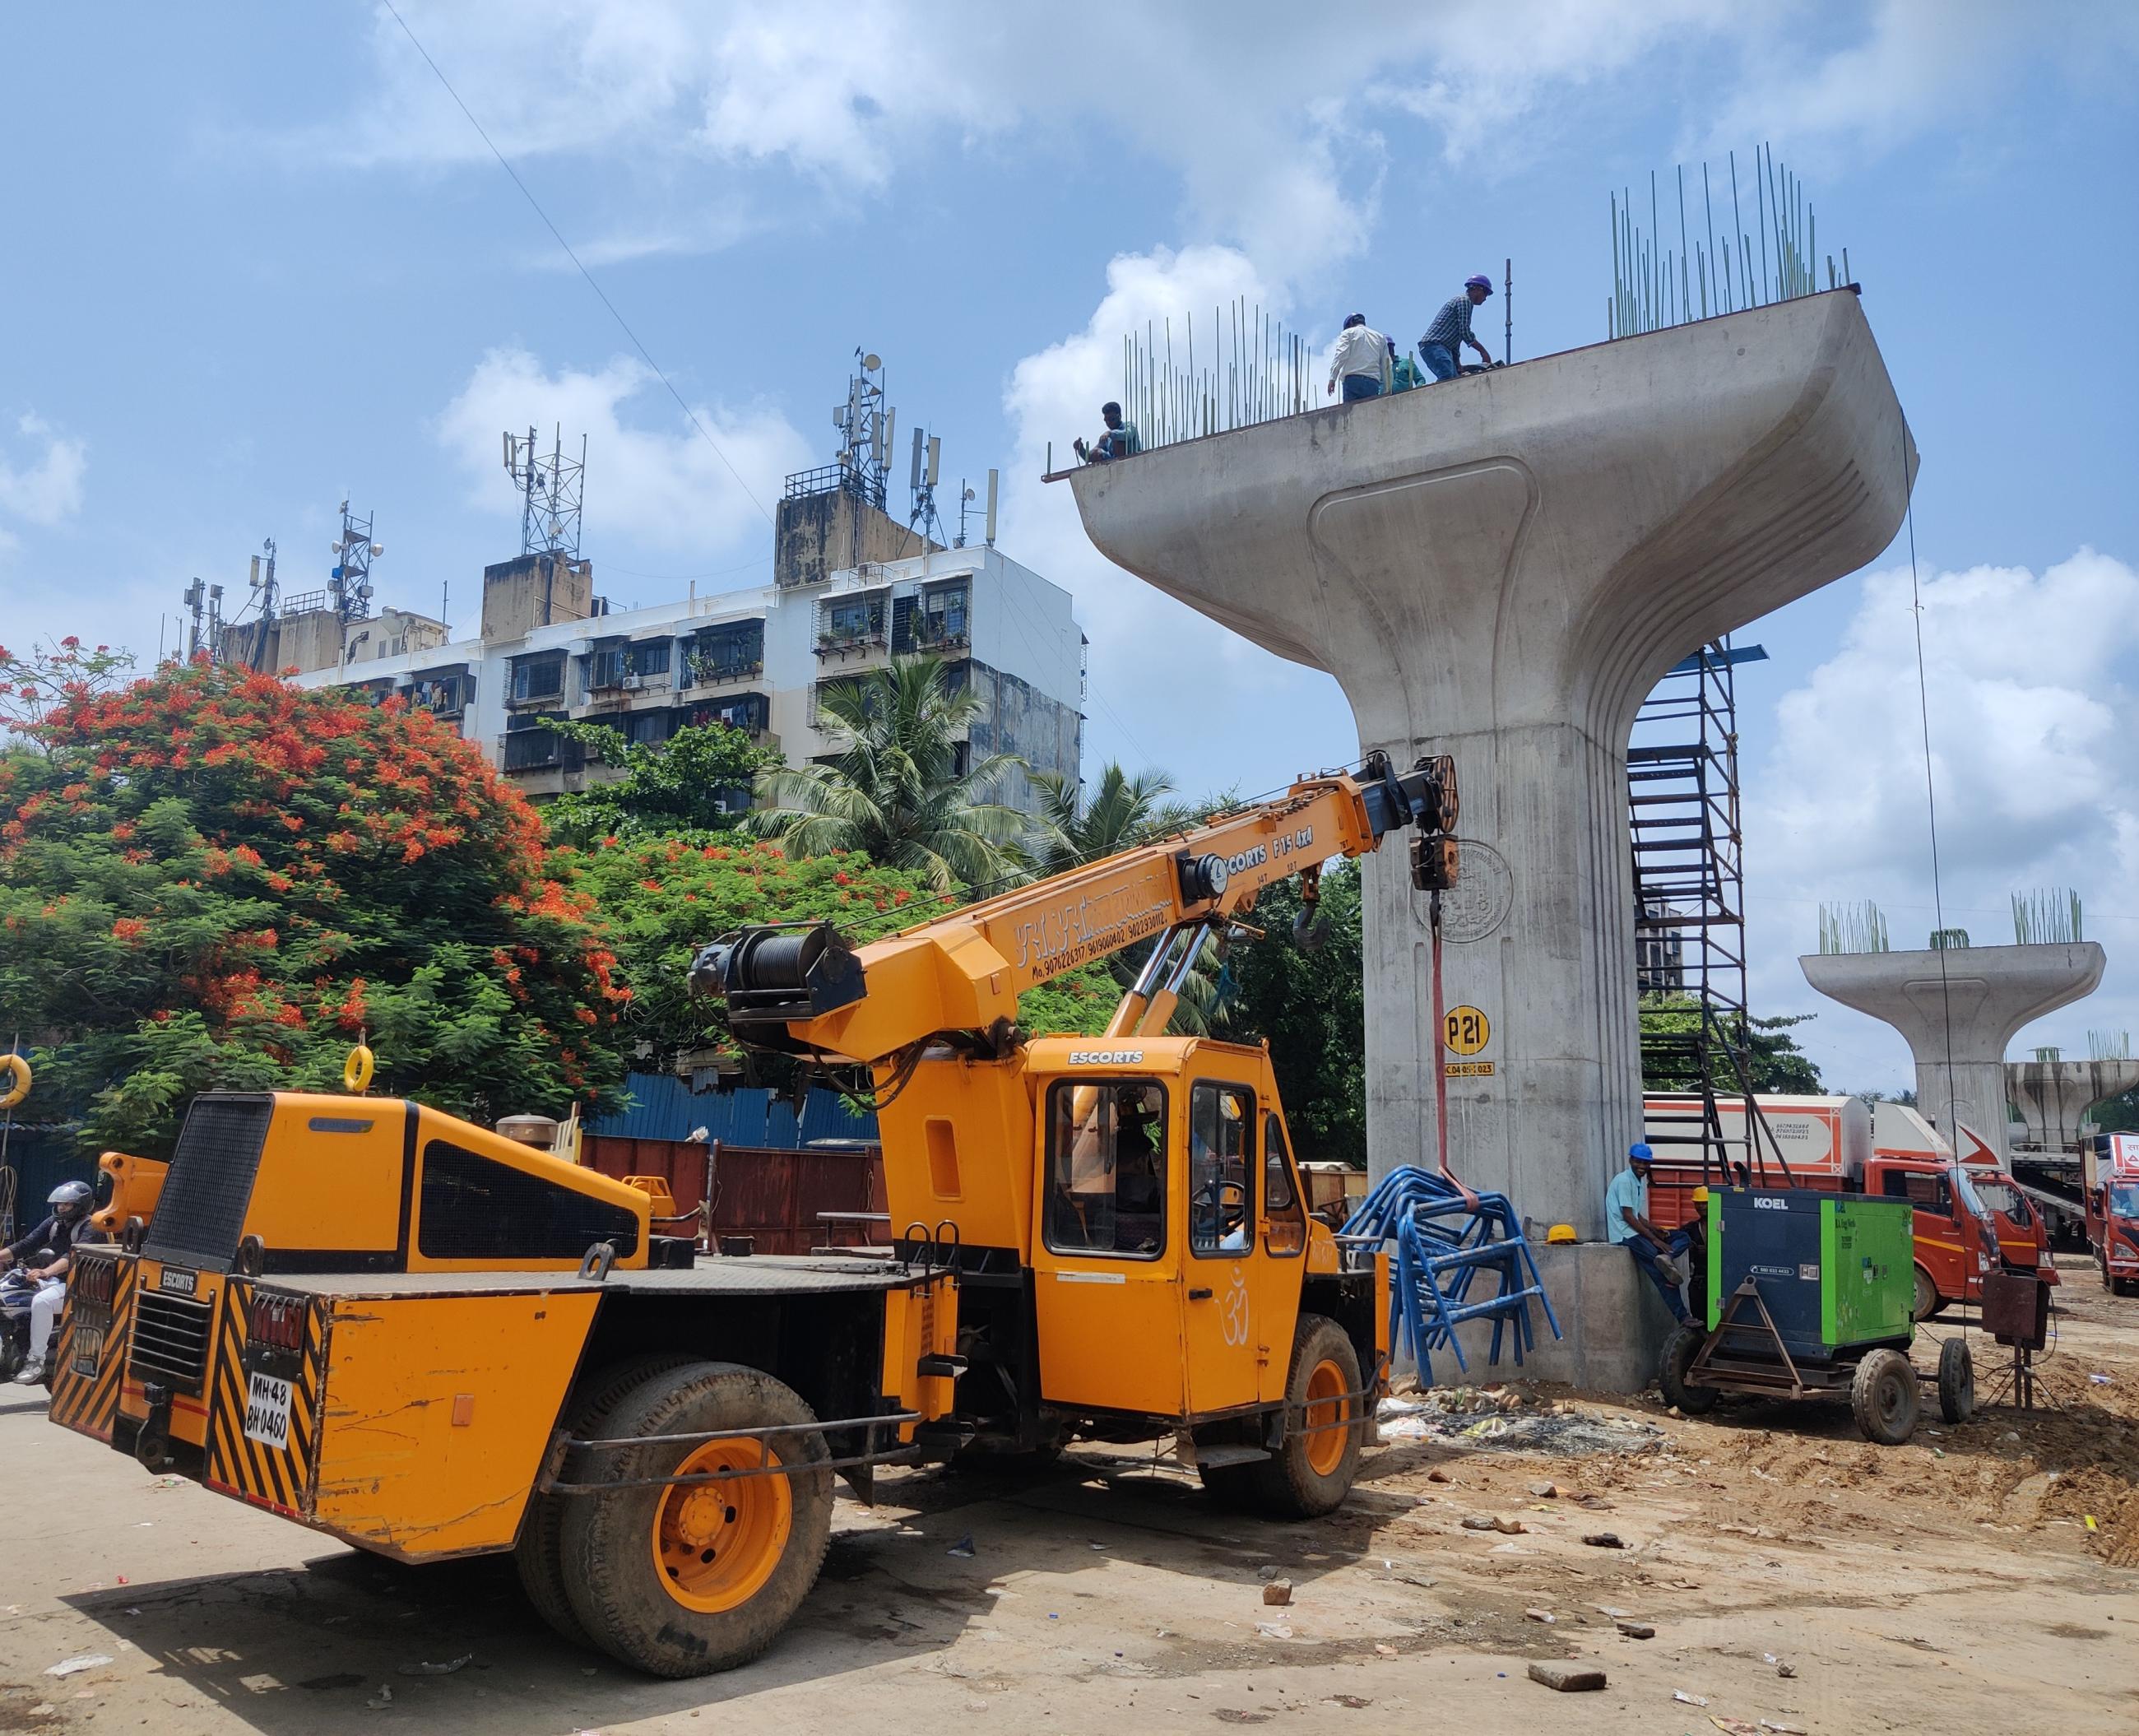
(1639, 1153)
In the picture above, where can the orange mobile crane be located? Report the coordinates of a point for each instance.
(427, 1340)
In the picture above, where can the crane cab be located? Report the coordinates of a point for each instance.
(1144, 1260)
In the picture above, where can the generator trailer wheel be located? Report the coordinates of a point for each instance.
(1956, 1382)
(1680, 1349)
(1885, 1398)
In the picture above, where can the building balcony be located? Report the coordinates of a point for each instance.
(704, 672)
(843, 647)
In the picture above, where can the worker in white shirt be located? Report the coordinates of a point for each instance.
(1361, 360)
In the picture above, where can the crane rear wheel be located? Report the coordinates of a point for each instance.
(685, 1578)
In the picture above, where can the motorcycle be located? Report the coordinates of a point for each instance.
(17, 1290)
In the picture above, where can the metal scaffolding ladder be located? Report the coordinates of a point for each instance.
(1683, 814)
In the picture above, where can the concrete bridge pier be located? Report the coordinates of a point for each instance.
(1501, 567)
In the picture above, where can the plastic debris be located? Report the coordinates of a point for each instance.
(1782, 1729)
(379, 1701)
(1274, 1630)
(1544, 1615)
(1568, 1678)
(1684, 1699)
(963, 1549)
(445, 1669)
(2097, 1380)
(1382, 1651)
(73, 1666)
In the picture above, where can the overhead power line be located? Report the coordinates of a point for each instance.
(534, 204)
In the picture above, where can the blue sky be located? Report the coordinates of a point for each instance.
(257, 259)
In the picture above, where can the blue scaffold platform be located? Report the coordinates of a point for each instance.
(1446, 1239)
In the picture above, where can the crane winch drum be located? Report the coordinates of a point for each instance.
(770, 975)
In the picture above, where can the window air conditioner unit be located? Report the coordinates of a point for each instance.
(633, 684)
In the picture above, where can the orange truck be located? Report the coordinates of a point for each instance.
(1970, 1217)
(2110, 1168)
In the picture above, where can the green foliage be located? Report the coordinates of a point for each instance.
(664, 897)
(1077, 1004)
(210, 879)
(1119, 813)
(893, 793)
(673, 786)
(1311, 1005)
(1774, 1059)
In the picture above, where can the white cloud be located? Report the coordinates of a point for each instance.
(2028, 677)
(1267, 118)
(48, 487)
(655, 478)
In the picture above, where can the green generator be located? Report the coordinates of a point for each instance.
(1837, 1271)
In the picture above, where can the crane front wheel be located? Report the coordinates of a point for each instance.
(1324, 1425)
(685, 1578)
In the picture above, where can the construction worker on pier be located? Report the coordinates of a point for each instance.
(1361, 360)
(1441, 348)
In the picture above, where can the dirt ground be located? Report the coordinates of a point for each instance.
(1980, 1579)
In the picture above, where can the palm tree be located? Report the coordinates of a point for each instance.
(893, 791)
(1122, 812)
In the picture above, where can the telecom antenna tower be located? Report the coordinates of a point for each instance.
(550, 490)
(864, 424)
(928, 464)
(349, 580)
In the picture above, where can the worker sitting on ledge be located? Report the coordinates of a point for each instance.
(1627, 1222)
(1441, 347)
(1361, 360)
(1118, 442)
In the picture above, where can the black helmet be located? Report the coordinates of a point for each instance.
(71, 1201)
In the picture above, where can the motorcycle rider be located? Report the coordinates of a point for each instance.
(44, 1252)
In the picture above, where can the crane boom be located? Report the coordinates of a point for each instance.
(804, 989)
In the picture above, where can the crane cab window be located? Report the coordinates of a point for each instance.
(1285, 1220)
(1106, 1167)
(1221, 1140)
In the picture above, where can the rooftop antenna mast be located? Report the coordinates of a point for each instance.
(966, 509)
(927, 466)
(349, 580)
(864, 424)
(552, 488)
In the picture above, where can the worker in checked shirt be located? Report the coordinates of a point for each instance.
(1361, 360)
(1441, 348)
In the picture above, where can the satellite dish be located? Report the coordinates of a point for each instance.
(872, 362)
(377, 550)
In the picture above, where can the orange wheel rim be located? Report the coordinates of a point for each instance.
(1325, 1410)
(714, 1544)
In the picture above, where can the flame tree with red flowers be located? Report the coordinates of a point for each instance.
(212, 880)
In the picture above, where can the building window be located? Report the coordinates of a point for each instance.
(606, 667)
(849, 623)
(941, 625)
(540, 676)
(747, 712)
(733, 651)
(442, 696)
(530, 747)
(649, 656)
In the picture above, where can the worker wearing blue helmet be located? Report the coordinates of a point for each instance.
(1441, 347)
(1627, 1222)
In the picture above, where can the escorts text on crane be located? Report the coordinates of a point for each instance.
(425, 1339)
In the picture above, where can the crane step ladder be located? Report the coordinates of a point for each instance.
(1447, 1239)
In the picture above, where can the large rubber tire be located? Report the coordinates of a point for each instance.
(535, 1554)
(1926, 1303)
(1884, 1397)
(1312, 1473)
(1680, 1349)
(1956, 1382)
(765, 1537)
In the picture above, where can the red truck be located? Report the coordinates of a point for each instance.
(2111, 1173)
(1970, 1217)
